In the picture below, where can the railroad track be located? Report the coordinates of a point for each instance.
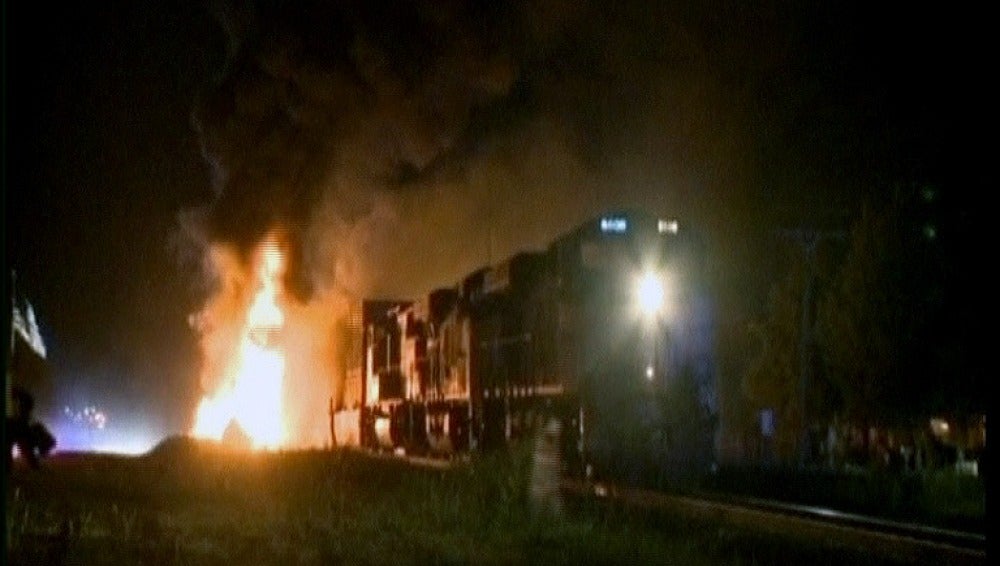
(818, 527)
(893, 541)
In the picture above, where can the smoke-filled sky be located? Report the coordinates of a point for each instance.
(402, 144)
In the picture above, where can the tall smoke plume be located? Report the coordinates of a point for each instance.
(402, 144)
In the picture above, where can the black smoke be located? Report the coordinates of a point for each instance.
(465, 130)
(404, 143)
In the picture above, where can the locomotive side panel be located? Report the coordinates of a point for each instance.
(605, 331)
(513, 341)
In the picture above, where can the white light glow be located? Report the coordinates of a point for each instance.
(125, 439)
(667, 226)
(650, 294)
(614, 225)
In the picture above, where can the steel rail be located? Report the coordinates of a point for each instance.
(897, 541)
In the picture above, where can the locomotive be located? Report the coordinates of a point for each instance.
(606, 332)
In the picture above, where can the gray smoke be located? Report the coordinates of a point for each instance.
(403, 144)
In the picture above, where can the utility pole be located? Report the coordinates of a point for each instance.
(8, 359)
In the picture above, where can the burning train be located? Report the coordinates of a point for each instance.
(607, 332)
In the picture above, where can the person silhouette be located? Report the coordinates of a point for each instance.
(33, 440)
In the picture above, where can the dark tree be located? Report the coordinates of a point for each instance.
(786, 373)
(772, 379)
(880, 323)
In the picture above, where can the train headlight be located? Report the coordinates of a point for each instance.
(650, 294)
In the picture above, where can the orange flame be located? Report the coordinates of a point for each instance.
(250, 392)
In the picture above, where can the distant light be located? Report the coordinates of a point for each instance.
(939, 427)
(650, 294)
(106, 437)
(930, 231)
(667, 226)
(614, 225)
(649, 372)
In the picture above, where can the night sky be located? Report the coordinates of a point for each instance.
(404, 144)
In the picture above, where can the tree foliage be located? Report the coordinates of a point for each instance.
(772, 379)
(786, 374)
(878, 323)
(885, 339)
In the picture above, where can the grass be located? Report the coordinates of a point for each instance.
(194, 504)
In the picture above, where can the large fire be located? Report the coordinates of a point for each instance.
(250, 393)
(269, 356)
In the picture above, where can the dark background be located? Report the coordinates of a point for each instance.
(100, 156)
(785, 112)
